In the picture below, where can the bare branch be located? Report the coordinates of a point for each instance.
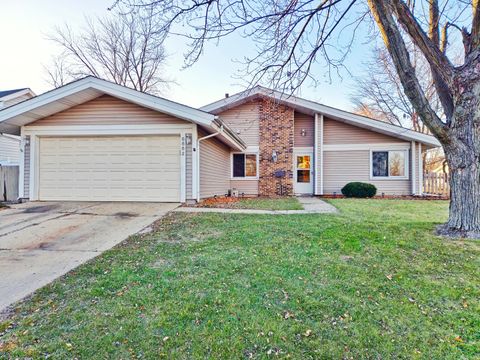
(437, 60)
(126, 50)
(406, 72)
(475, 32)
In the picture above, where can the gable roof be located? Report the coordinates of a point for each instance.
(89, 88)
(312, 108)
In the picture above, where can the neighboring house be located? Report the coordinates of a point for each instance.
(10, 144)
(95, 140)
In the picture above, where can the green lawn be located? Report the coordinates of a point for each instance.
(370, 282)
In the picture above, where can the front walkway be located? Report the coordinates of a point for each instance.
(311, 205)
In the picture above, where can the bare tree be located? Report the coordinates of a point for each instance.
(127, 50)
(292, 36)
(379, 94)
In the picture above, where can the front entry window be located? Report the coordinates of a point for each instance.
(303, 169)
(244, 165)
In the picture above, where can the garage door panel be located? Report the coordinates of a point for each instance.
(110, 168)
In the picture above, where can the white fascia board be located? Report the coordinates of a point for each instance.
(236, 145)
(231, 100)
(296, 102)
(155, 103)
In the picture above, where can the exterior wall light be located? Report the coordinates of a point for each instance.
(274, 156)
(303, 132)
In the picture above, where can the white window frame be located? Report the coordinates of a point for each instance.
(407, 165)
(243, 177)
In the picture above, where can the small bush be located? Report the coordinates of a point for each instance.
(359, 190)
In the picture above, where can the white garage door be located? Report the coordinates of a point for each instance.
(116, 168)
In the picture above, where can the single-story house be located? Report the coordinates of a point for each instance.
(96, 140)
(10, 144)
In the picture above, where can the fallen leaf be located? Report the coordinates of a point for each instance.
(308, 333)
(288, 315)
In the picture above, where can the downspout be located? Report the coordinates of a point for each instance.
(198, 156)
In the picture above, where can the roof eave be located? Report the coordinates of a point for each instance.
(228, 136)
(341, 115)
(8, 115)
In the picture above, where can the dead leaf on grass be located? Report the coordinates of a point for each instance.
(307, 333)
(288, 315)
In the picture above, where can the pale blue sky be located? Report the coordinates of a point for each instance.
(24, 23)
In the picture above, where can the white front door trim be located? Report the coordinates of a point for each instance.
(303, 188)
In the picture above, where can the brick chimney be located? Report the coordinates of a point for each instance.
(276, 135)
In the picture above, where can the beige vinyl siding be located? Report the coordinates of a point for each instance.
(306, 122)
(26, 171)
(244, 120)
(342, 167)
(214, 167)
(107, 110)
(337, 132)
(245, 187)
(9, 150)
(188, 170)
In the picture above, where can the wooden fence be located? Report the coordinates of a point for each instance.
(436, 184)
(9, 183)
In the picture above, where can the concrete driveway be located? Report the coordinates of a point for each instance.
(40, 241)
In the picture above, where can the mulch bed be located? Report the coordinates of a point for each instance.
(217, 202)
(390, 197)
(225, 201)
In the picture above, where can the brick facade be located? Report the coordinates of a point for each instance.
(276, 134)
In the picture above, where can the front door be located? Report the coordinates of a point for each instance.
(303, 176)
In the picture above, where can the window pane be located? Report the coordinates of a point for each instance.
(303, 176)
(238, 165)
(251, 165)
(303, 162)
(380, 163)
(397, 163)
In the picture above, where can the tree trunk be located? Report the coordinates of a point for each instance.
(462, 152)
(464, 216)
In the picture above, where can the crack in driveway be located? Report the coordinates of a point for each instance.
(34, 224)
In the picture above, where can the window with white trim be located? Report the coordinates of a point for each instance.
(390, 164)
(244, 165)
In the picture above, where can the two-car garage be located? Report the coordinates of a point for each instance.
(109, 168)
